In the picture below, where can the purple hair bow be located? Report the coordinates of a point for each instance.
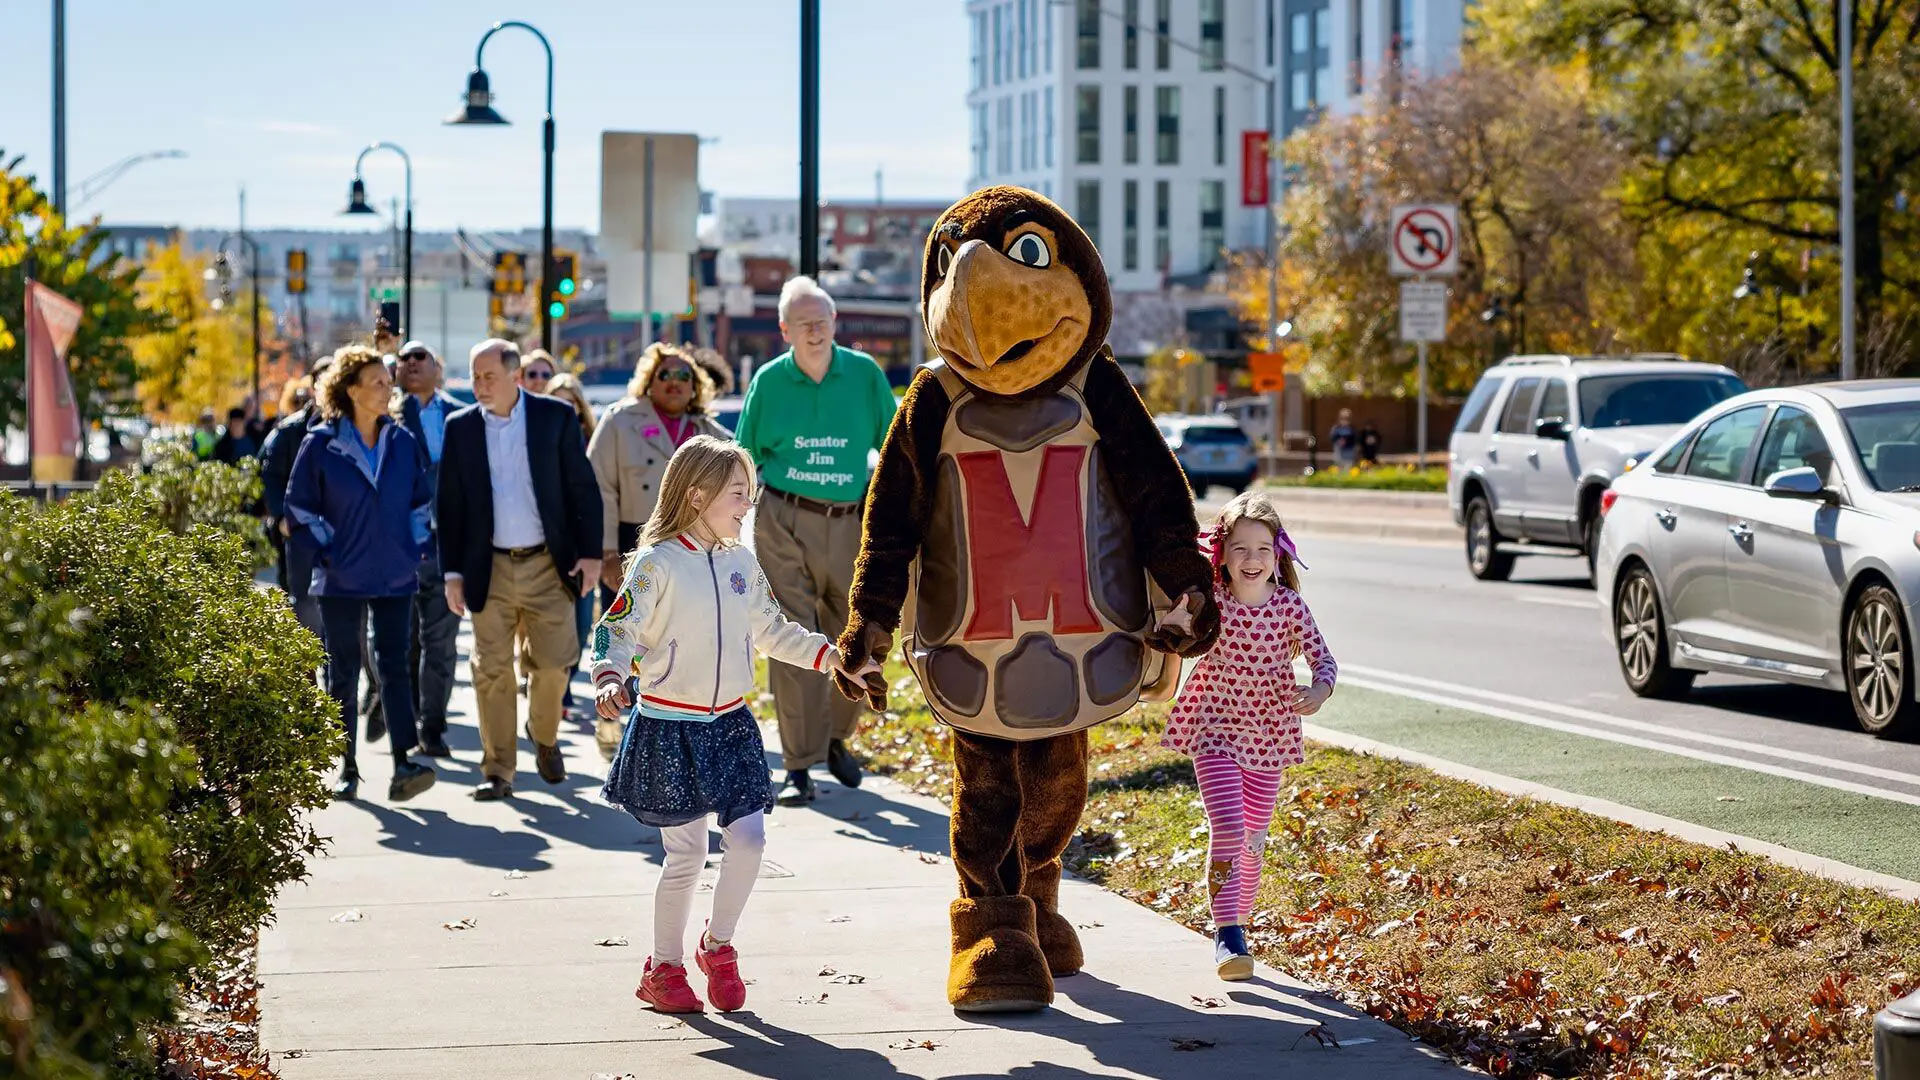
(1213, 545)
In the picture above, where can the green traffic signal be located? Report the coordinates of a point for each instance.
(566, 286)
(556, 310)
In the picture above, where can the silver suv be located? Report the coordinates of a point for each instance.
(1541, 437)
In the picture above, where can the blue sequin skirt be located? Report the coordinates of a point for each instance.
(671, 772)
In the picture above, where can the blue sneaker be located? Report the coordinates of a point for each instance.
(1230, 956)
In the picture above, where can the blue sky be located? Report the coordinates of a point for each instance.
(281, 95)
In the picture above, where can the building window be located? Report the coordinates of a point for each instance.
(1163, 23)
(1213, 35)
(1020, 38)
(1049, 124)
(1087, 124)
(980, 140)
(999, 38)
(1130, 225)
(1357, 66)
(1130, 41)
(979, 49)
(1403, 27)
(1298, 44)
(1323, 34)
(1166, 108)
(1213, 222)
(1322, 83)
(1047, 20)
(1130, 125)
(1007, 135)
(1033, 130)
(1087, 208)
(1162, 215)
(1033, 34)
(1297, 92)
(1087, 33)
(1026, 128)
(1270, 31)
(1219, 125)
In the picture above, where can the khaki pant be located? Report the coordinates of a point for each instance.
(528, 600)
(808, 558)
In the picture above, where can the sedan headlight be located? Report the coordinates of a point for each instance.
(1633, 460)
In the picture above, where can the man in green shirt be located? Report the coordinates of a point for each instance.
(812, 417)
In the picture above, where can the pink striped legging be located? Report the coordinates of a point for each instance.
(1239, 806)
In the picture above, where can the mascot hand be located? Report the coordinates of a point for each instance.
(1189, 629)
(863, 644)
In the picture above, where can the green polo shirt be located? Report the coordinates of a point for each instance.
(812, 438)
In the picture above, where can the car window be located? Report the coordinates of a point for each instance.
(1720, 453)
(1473, 415)
(1887, 439)
(1518, 417)
(1794, 442)
(1670, 461)
(1637, 400)
(1553, 400)
(1215, 435)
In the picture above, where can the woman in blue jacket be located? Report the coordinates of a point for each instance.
(359, 499)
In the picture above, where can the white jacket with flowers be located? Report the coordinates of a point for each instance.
(687, 624)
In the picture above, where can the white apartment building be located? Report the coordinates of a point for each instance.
(1135, 115)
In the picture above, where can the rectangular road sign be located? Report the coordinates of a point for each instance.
(1425, 239)
(1423, 311)
(1269, 371)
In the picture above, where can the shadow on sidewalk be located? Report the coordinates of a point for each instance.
(435, 834)
(868, 815)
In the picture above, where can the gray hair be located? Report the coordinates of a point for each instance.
(802, 288)
(509, 352)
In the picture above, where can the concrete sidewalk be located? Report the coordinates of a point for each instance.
(844, 943)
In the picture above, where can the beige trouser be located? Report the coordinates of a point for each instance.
(808, 558)
(526, 599)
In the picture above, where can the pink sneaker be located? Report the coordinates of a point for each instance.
(722, 968)
(665, 988)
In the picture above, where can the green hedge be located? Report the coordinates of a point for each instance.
(1378, 478)
(161, 739)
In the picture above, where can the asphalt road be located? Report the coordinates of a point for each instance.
(1410, 619)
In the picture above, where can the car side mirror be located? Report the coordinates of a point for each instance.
(1801, 483)
(1551, 427)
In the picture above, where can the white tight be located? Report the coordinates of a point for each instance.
(741, 845)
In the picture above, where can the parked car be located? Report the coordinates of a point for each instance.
(1778, 536)
(1210, 449)
(1541, 437)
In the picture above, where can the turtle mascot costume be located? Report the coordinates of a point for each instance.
(1031, 521)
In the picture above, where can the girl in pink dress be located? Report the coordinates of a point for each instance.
(1239, 713)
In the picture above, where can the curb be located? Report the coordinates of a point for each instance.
(1397, 500)
(1831, 869)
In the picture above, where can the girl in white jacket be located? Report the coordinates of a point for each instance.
(677, 648)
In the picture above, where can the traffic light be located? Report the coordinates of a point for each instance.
(509, 273)
(296, 271)
(565, 285)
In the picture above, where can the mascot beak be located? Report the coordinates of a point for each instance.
(989, 309)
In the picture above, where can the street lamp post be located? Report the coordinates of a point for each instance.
(809, 138)
(1844, 16)
(357, 204)
(218, 272)
(479, 110)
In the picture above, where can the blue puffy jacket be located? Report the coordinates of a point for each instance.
(367, 523)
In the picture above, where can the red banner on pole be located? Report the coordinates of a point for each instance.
(1253, 168)
(53, 417)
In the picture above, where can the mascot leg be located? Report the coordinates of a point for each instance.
(996, 964)
(1053, 787)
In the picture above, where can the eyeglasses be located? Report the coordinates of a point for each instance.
(674, 375)
(417, 354)
(539, 376)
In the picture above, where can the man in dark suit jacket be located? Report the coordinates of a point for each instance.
(519, 519)
(424, 411)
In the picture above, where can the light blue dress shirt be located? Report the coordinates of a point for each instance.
(433, 425)
(516, 514)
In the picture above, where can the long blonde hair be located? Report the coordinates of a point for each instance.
(1253, 506)
(704, 464)
(566, 386)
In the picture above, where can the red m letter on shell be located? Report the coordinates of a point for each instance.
(1032, 563)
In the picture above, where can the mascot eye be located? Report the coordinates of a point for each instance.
(1031, 250)
(943, 260)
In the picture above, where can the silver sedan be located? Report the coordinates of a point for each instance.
(1776, 537)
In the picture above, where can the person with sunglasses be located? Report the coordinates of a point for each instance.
(666, 404)
(536, 372)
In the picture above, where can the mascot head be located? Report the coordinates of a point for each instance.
(1013, 293)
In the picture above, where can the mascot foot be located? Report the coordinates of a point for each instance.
(997, 965)
(1057, 937)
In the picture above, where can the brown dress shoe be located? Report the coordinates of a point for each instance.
(547, 759)
(493, 789)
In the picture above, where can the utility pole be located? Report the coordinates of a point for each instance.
(810, 137)
(60, 107)
(1847, 338)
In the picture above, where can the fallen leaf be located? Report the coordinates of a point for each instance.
(849, 980)
(464, 924)
(1089, 925)
(930, 858)
(923, 1044)
(620, 1076)
(1192, 1044)
(1387, 928)
(498, 892)
(841, 918)
(349, 915)
(1208, 1003)
(811, 999)
(294, 1055)
(515, 875)
(827, 972)
(1728, 798)
(1319, 1033)
(612, 942)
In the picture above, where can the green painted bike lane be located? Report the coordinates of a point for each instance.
(1864, 831)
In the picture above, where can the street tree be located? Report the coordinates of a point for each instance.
(200, 358)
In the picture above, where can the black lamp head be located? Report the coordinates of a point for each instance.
(357, 198)
(479, 106)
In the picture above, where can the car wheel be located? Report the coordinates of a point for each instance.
(1590, 539)
(1640, 638)
(1879, 663)
(1484, 558)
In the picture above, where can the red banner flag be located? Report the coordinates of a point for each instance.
(53, 417)
(1253, 168)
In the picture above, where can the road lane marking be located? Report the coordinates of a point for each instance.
(1365, 677)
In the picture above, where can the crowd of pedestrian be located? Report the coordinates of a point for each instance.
(397, 512)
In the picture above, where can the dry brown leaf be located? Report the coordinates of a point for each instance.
(1208, 1003)
(812, 999)
(465, 923)
(849, 979)
(612, 942)
(923, 1044)
(1192, 1044)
